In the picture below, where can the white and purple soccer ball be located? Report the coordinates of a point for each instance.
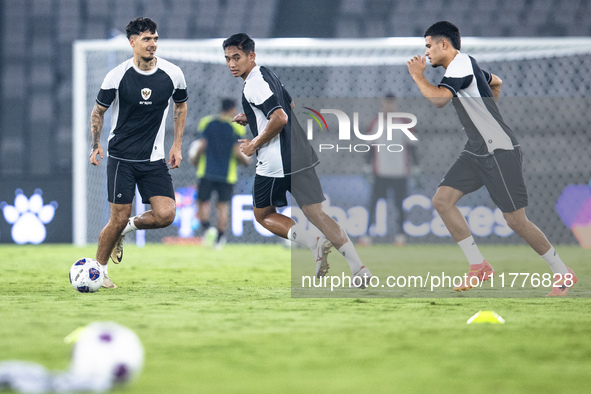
(86, 275)
(107, 354)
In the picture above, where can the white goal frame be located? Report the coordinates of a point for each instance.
(283, 51)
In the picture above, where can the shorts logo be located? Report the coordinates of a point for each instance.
(119, 195)
(146, 93)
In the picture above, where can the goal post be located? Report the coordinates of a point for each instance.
(530, 67)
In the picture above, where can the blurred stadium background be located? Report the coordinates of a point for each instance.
(36, 64)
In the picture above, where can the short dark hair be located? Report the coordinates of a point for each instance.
(241, 41)
(228, 104)
(446, 30)
(140, 25)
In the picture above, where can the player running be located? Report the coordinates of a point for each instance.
(139, 90)
(285, 162)
(492, 156)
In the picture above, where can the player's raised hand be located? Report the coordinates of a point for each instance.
(96, 151)
(247, 147)
(416, 65)
(240, 119)
(175, 157)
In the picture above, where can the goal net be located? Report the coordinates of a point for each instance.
(544, 100)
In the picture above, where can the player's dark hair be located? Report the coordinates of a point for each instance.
(447, 30)
(228, 104)
(241, 41)
(140, 25)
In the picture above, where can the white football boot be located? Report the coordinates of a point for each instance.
(321, 252)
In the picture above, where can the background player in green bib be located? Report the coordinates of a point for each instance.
(217, 157)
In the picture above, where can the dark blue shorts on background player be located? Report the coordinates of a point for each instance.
(206, 187)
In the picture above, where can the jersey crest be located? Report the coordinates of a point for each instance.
(146, 93)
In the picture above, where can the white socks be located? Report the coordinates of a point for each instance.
(474, 256)
(555, 262)
(298, 234)
(130, 226)
(350, 254)
(471, 250)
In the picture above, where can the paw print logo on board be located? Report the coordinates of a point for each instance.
(28, 217)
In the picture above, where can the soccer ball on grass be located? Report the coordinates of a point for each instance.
(107, 354)
(86, 275)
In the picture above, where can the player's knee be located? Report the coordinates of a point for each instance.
(259, 216)
(515, 223)
(314, 213)
(266, 220)
(165, 217)
(169, 217)
(440, 203)
(119, 220)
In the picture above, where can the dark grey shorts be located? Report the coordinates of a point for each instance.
(500, 172)
(304, 186)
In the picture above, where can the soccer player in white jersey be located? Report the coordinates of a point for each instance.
(492, 156)
(285, 162)
(139, 90)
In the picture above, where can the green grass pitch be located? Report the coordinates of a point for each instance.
(226, 322)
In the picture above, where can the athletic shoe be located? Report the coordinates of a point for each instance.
(219, 244)
(321, 252)
(364, 277)
(210, 236)
(482, 271)
(108, 283)
(117, 252)
(559, 288)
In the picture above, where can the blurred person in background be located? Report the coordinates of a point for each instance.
(390, 172)
(216, 156)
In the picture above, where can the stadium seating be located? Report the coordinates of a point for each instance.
(37, 46)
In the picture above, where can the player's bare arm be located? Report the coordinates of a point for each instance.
(277, 120)
(437, 95)
(97, 118)
(495, 85)
(180, 114)
(240, 119)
